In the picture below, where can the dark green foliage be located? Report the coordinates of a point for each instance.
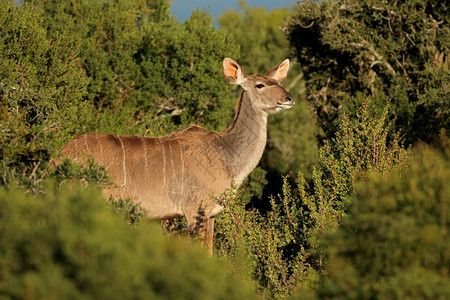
(394, 244)
(347, 48)
(433, 107)
(148, 73)
(109, 34)
(68, 245)
(24, 152)
(131, 211)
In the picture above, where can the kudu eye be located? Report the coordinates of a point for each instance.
(259, 86)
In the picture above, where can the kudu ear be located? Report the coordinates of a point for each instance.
(279, 72)
(232, 72)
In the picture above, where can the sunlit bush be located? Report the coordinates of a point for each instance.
(394, 244)
(69, 245)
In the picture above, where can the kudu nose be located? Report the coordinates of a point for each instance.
(290, 99)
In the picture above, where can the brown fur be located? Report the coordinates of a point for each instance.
(178, 175)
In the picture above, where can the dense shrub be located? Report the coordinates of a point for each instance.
(68, 245)
(283, 243)
(394, 244)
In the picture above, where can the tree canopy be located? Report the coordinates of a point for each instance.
(349, 50)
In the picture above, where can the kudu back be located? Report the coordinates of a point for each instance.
(180, 174)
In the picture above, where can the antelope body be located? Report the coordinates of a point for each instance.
(179, 174)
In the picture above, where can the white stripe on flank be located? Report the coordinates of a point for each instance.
(171, 162)
(86, 144)
(123, 162)
(164, 160)
(145, 156)
(76, 149)
(182, 167)
(101, 148)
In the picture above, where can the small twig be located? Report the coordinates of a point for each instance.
(305, 26)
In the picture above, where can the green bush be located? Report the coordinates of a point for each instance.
(394, 244)
(68, 245)
(283, 243)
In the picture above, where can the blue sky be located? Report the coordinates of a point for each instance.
(182, 9)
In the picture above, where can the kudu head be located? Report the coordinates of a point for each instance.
(264, 91)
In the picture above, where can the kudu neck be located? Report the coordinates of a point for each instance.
(245, 139)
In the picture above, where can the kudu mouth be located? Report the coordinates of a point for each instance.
(286, 104)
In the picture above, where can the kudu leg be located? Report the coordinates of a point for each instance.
(209, 235)
(202, 227)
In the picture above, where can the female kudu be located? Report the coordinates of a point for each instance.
(179, 175)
